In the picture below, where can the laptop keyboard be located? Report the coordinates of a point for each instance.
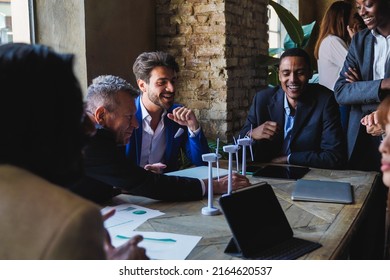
(288, 250)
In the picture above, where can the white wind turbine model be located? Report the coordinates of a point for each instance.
(244, 142)
(231, 149)
(210, 210)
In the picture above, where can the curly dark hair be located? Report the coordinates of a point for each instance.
(147, 61)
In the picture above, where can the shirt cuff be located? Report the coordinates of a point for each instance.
(203, 187)
(194, 133)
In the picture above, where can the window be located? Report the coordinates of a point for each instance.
(274, 25)
(15, 21)
(276, 30)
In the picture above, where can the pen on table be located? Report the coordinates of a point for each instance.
(178, 132)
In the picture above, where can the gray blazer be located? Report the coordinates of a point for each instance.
(364, 95)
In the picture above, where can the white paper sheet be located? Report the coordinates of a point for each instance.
(199, 172)
(130, 215)
(158, 245)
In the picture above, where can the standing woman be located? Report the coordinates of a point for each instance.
(332, 46)
(365, 81)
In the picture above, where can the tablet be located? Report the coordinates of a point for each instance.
(282, 172)
(272, 237)
(251, 169)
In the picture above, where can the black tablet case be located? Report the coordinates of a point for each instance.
(259, 226)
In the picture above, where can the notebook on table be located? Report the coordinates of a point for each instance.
(259, 226)
(282, 172)
(323, 191)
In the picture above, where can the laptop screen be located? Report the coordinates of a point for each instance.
(255, 218)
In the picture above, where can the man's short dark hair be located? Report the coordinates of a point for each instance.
(147, 61)
(296, 52)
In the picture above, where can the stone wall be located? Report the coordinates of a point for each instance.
(217, 44)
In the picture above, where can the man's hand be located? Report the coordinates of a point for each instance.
(238, 182)
(155, 167)
(184, 116)
(372, 125)
(128, 251)
(281, 159)
(265, 131)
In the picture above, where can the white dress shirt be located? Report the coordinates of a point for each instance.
(153, 142)
(381, 55)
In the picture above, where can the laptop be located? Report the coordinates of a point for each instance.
(282, 172)
(259, 226)
(323, 191)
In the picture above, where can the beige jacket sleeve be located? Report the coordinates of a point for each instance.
(40, 220)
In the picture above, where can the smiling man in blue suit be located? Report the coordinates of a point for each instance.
(296, 122)
(164, 127)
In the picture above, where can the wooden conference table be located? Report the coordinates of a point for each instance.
(332, 225)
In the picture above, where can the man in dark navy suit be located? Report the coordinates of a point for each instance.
(296, 122)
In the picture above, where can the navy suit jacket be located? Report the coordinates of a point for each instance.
(363, 96)
(193, 146)
(317, 137)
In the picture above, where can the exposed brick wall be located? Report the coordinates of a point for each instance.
(216, 44)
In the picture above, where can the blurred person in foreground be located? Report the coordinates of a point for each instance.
(44, 131)
(383, 119)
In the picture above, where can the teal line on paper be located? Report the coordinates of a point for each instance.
(129, 221)
(168, 240)
(128, 208)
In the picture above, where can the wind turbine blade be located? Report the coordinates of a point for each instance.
(217, 155)
(218, 168)
(238, 168)
(250, 148)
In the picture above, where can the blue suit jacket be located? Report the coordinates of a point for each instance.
(363, 96)
(193, 146)
(317, 138)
